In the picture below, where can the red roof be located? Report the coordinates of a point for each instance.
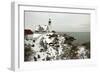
(28, 32)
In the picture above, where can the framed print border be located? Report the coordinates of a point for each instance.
(17, 35)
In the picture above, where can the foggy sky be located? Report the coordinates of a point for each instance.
(61, 22)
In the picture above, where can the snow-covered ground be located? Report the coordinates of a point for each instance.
(52, 46)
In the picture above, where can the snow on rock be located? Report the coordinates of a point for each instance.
(51, 46)
(36, 35)
(81, 52)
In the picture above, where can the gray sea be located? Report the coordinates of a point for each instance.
(81, 37)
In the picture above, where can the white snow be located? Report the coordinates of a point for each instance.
(81, 52)
(51, 52)
(36, 35)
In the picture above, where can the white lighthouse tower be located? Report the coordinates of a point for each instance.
(49, 25)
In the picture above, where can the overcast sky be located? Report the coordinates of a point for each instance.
(61, 22)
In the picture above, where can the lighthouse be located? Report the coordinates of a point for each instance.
(49, 25)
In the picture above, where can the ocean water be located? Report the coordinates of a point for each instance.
(81, 37)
